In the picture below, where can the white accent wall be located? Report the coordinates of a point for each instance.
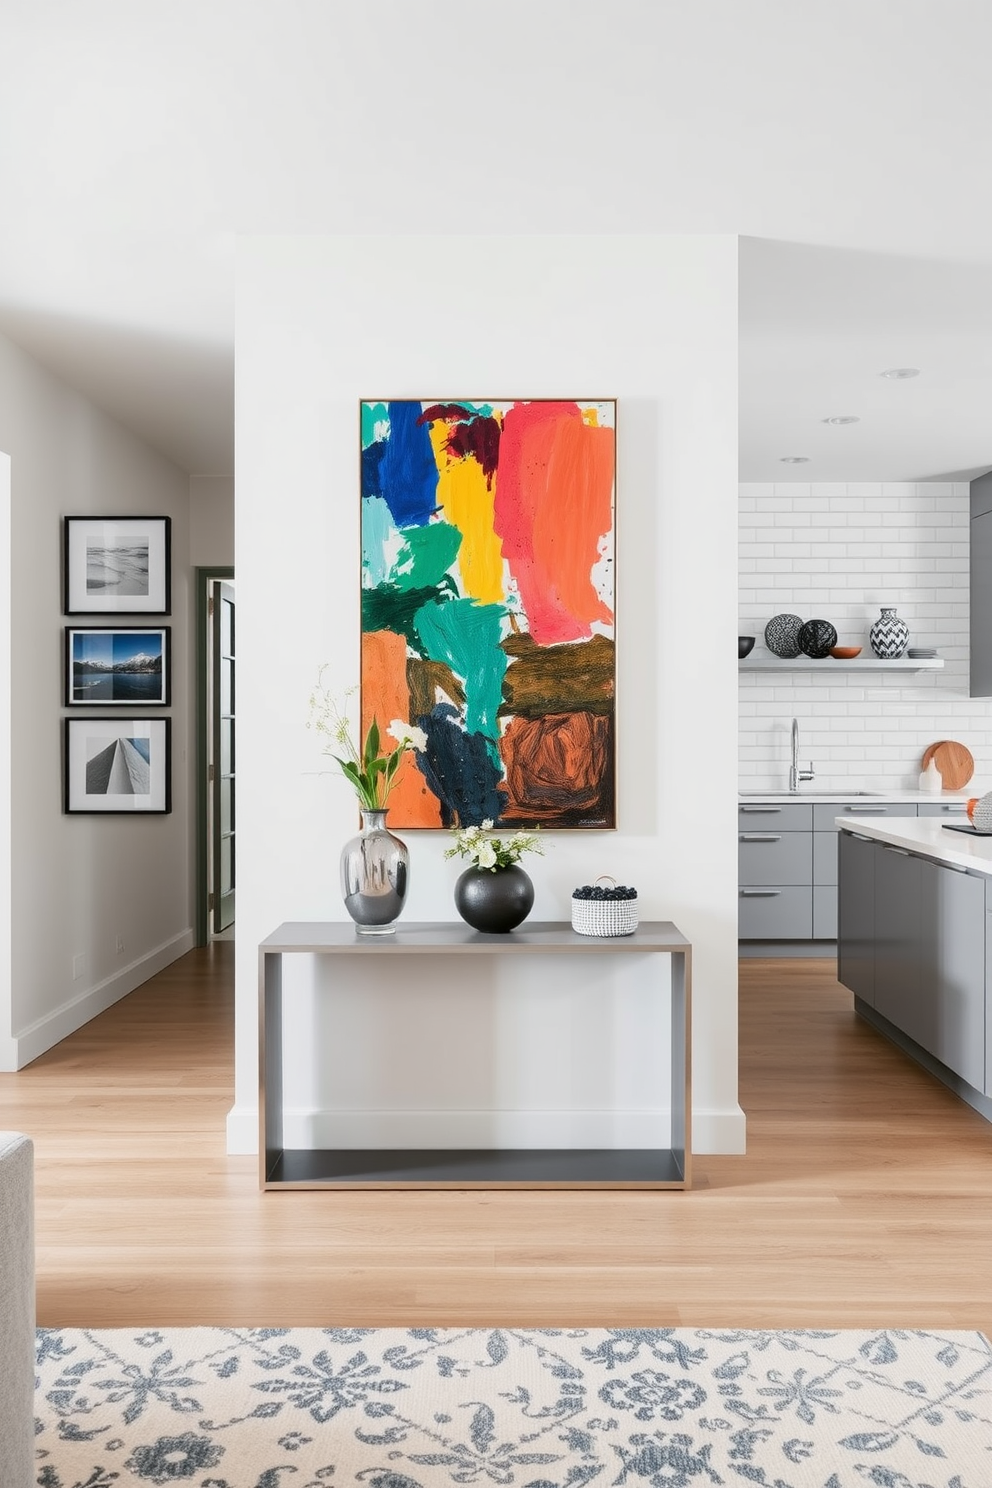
(424, 1054)
(839, 552)
(77, 883)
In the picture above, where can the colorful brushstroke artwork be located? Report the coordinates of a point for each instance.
(487, 607)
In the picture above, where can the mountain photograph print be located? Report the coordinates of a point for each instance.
(117, 667)
(487, 532)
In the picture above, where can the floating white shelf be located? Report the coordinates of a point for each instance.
(829, 664)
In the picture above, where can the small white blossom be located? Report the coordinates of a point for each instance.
(408, 735)
(486, 856)
(487, 825)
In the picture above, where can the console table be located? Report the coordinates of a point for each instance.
(523, 1167)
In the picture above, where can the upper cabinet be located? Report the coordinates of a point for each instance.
(981, 495)
(981, 586)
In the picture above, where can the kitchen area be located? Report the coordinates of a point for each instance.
(849, 848)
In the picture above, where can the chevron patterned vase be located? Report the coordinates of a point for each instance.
(889, 636)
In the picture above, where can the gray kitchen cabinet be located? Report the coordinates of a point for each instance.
(793, 846)
(899, 994)
(981, 587)
(775, 857)
(775, 871)
(825, 910)
(856, 915)
(915, 947)
(825, 854)
(825, 858)
(987, 1087)
(825, 813)
(953, 969)
(775, 816)
(981, 495)
(775, 913)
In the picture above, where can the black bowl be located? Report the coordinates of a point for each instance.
(745, 645)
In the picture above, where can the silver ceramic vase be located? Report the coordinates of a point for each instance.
(375, 876)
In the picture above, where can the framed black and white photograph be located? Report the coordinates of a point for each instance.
(118, 765)
(117, 667)
(117, 565)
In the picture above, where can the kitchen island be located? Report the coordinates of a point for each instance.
(915, 943)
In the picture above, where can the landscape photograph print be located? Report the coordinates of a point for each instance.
(118, 766)
(117, 565)
(488, 601)
(117, 667)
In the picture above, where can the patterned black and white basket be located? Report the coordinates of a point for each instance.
(604, 916)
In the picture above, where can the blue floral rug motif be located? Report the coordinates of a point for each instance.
(512, 1408)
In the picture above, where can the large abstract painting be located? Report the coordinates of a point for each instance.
(488, 606)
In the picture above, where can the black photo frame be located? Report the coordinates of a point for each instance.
(115, 766)
(117, 565)
(126, 666)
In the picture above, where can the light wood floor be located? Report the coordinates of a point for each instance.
(865, 1198)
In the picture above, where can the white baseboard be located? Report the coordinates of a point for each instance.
(713, 1132)
(719, 1133)
(242, 1131)
(55, 1026)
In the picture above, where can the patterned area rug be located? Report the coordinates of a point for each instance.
(530, 1408)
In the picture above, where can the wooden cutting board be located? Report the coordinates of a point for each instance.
(954, 761)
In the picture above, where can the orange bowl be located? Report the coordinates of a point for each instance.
(844, 653)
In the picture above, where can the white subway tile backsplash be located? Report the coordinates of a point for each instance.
(840, 552)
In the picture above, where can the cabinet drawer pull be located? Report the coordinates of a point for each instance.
(902, 851)
(860, 837)
(759, 837)
(760, 893)
(866, 810)
(758, 810)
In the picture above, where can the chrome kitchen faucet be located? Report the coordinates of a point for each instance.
(795, 774)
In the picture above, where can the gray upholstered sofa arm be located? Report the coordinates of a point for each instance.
(17, 1317)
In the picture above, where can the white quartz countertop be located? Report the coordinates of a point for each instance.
(926, 835)
(862, 797)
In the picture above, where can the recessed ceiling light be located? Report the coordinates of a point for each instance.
(843, 418)
(794, 459)
(899, 374)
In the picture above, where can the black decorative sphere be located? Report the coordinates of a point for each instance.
(494, 902)
(782, 635)
(816, 637)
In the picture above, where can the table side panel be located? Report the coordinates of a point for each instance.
(270, 1091)
(681, 1047)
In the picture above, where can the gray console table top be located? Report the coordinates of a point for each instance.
(440, 937)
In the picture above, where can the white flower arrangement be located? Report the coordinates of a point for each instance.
(492, 853)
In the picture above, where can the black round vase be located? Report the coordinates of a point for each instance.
(815, 639)
(494, 901)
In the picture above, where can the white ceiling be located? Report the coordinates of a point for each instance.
(848, 139)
